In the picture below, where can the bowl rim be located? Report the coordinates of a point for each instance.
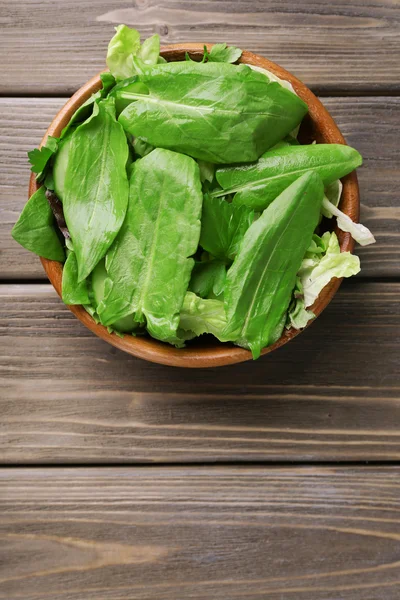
(216, 354)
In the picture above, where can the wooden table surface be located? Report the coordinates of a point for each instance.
(277, 479)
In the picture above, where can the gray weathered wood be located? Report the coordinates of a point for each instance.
(331, 394)
(370, 124)
(177, 533)
(53, 47)
(23, 123)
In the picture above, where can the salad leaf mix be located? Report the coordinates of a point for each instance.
(183, 204)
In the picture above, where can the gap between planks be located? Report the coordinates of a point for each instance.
(209, 467)
(325, 92)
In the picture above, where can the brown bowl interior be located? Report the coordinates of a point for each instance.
(318, 125)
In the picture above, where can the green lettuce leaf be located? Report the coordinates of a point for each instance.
(298, 316)
(318, 269)
(141, 147)
(223, 226)
(35, 229)
(208, 279)
(150, 51)
(73, 292)
(96, 186)
(218, 112)
(55, 180)
(289, 140)
(207, 171)
(272, 77)
(260, 283)
(359, 232)
(258, 184)
(97, 282)
(317, 246)
(49, 181)
(203, 316)
(108, 82)
(60, 164)
(124, 47)
(132, 84)
(148, 265)
(86, 109)
(92, 312)
(333, 193)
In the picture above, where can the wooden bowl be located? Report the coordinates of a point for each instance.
(317, 125)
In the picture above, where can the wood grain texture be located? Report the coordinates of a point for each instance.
(371, 126)
(178, 533)
(328, 395)
(55, 46)
(23, 122)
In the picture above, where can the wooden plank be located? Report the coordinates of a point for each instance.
(370, 124)
(201, 533)
(55, 46)
(332, 394)
(23, 123)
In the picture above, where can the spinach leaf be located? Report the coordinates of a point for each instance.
(108, 82)
(86, 109)
(35, 230)
(223, 226)
(333, 193)
(272, 77)
(208, 279)
(60, 165)
(132, 84)
(73, 292)
(257, 185)
(203, 316)
(148, 266)
(224, 53)
(97, 281)
(128, 85)
(40, 157)
(96, 186)
(49, 181)
(217, 112)
(141, 147)
(289, 140)
(260, 282)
